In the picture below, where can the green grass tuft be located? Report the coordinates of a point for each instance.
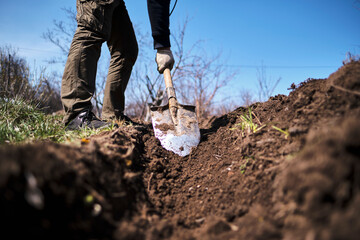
(22, 122)
(247, 125)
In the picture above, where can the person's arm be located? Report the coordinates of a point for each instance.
(159, 19)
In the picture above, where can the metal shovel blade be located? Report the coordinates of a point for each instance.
(181, 137)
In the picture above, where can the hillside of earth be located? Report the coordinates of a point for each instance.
(287, 168)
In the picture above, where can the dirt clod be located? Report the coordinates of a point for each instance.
(164, 127)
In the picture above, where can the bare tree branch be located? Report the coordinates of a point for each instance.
(266, 86)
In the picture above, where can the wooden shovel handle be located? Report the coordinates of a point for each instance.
(167, 77)
(173, 104)
(170, 88)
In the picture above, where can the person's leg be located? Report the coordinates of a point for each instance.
(78, 83)
(123, 50)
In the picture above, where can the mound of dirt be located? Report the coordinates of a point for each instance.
(287, 168)
(318, 191)
(53, 191)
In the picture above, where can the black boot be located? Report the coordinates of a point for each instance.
(87, 119)
(127, 121)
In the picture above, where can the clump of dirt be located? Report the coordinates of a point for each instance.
(292, 172)
(347, 79)
(164, 127)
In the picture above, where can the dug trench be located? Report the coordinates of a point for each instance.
(288, 168)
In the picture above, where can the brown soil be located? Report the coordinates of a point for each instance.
(164, 127)
(299, 183)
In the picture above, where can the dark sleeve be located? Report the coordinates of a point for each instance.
(159, 20)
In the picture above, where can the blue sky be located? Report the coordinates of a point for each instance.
(295, 40)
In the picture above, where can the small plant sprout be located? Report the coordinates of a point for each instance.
(285, 132)
(243, 167)
(247, 124)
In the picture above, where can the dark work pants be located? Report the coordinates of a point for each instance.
(99, 21)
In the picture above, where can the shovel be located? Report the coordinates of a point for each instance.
(175, 125)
